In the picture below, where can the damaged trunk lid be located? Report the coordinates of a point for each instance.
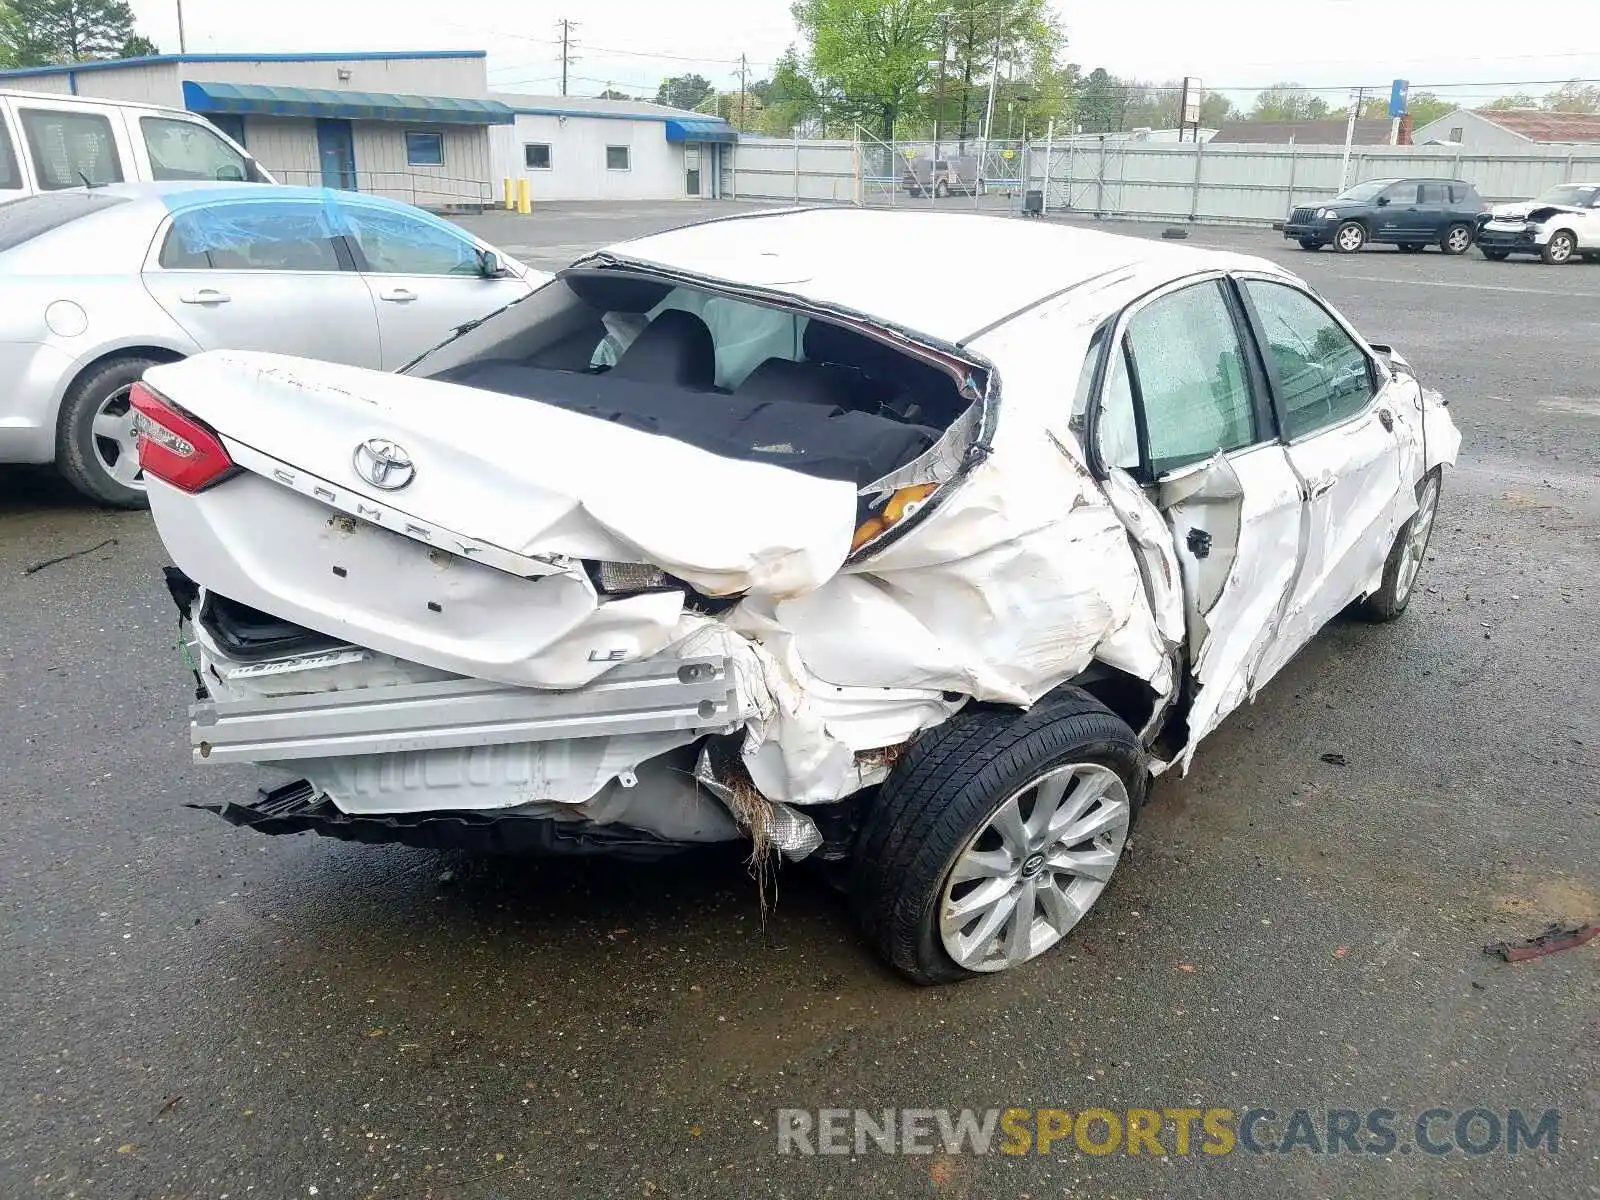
(462, 528)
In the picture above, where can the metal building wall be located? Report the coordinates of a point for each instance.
(578, 159)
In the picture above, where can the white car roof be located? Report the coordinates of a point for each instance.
(949, 276)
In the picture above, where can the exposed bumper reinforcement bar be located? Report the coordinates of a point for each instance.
(298, 807)
(660, 695)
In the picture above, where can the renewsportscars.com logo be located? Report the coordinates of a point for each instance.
(1167, 1131)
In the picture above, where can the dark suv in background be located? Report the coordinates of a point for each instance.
(1409, 213)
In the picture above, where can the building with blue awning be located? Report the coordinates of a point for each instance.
(576, 148)
(412, 125)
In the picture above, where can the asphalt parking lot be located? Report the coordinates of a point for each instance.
(191, 1010)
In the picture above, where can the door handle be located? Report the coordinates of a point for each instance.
(205, 296)
(398, 295)
(1321, 487)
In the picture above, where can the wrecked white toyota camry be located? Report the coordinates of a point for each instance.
(774, 530)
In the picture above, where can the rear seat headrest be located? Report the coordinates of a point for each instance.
(675, 348)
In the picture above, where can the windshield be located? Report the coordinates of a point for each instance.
(25, 219)
(1366, 191)
(1573, 195)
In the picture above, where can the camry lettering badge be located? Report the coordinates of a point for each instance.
(384, 464)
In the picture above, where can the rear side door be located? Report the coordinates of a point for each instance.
(1186, 410)
(264, 274)
(1346, 435)
(423, 275)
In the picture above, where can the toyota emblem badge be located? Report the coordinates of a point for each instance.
(384, 464)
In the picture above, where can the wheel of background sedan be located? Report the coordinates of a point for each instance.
(1457, 239)
(1494, 255)
(1559, 248)
(1311, 244)
(994, 836)
(95, 445)
(1405, 557)
(1351, 236)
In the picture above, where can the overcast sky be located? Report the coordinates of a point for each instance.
(632, 44)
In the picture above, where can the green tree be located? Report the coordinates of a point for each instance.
(1101, 103)
(684, 91)
(38, 33)
(139, 46)
(1216, 110)
(873, 54)
(1289, 102)
(1427, 108)
(1515, 100)
(1573, 98)
(789, 98)
(983, 34)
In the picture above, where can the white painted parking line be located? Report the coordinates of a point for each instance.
(1441, 283)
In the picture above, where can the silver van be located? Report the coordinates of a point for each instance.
(50, 141)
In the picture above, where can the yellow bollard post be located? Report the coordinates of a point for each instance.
(524, 197)
(511, 199)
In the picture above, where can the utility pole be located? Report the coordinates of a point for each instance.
(744, 82)
(1350, 137)
(566, 51)
(938, 104)
(183, 45)
(988, 108)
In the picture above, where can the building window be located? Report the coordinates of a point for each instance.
(1458, 133)
(617, 158)
(424, 149)
(536, 156)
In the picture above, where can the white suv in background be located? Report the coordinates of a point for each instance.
(1562, 224)
(49, 142)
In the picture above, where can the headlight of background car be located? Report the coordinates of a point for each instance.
(1326, 214)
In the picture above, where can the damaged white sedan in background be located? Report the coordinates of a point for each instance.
(760, 531)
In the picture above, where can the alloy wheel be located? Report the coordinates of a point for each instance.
(116, 447)
(1560, 248)
(1417, 543)
(1035, 868)
(1350, 238)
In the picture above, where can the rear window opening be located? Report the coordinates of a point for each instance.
(740, 379)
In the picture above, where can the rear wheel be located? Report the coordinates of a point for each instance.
(1405, 557)
(95, 444)
(941, 190)
(995, 835)
(1352, 235)
(1494, 255)
(1558, 250)
(1457, 239)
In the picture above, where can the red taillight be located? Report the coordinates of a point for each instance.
(175, 447)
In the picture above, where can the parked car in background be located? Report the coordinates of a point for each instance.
(940, 177)
(49, 142)
(816, 560)
(1409, 213)
(1561, 224)
(101, 283)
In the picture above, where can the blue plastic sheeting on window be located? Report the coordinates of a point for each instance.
(424, 149)
(402, 243)
(253, 236)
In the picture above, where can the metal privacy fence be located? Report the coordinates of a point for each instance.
(1121, 178)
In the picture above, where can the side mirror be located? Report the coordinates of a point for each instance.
(230, 175)
(489, 265)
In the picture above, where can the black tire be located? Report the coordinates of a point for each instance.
(1394, 594)
(1350, 238)
(1494, 255)
(76, 457)
(941, 190)
(945, 790)
(1560, 248)
(1310, 244)
(1411, 247)
(1457, 239)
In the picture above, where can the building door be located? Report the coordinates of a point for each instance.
(336, 150)
(691, 168)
